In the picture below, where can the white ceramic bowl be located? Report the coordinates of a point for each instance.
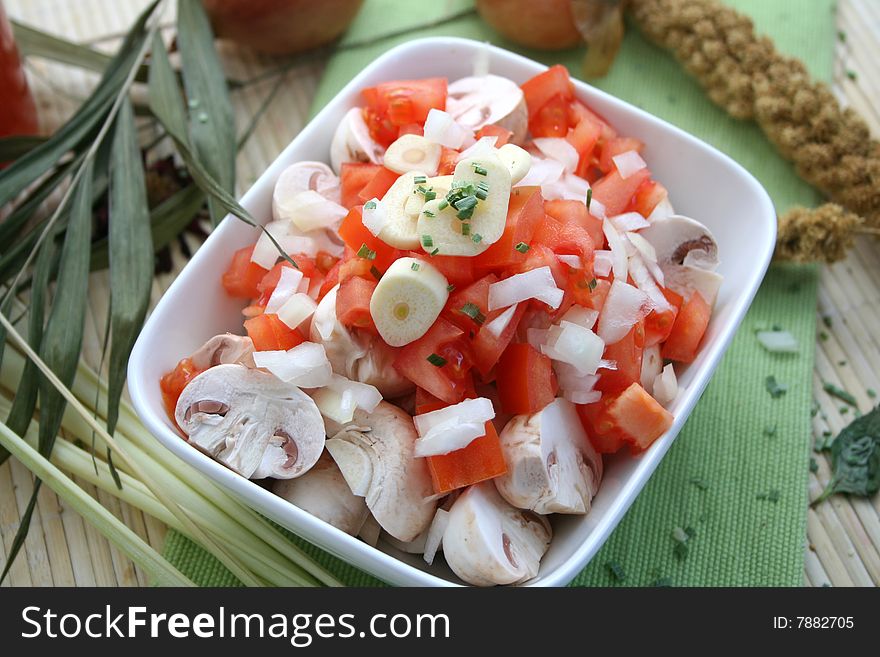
(702, 183)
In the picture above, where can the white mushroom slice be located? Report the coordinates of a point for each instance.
(477, 101)
(301, 177)
(434, 536)
(395, 484)
(356, 356)
(489, 542)
(232, 413)
(415, 546)
(441, 128)
(517, 160)
(413, 153)
(323, 492)
(652, 365)
(370, 531)
(401, 213)
(352, 142)
(224, 348)
(687, 253)
(551, 466)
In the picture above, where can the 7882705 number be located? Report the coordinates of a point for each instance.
(824, 622)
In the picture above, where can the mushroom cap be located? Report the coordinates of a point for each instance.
(360, 357)
(224, 348)
(551, 465)
(352, 142)
(250, 421)
(322, 491)
(489, 542)
(376, 457)
(479, 100)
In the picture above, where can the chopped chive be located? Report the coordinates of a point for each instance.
(436, 361)
(428, 213)
(871, 393)
(443, 204)
(823, 336)
(370, 205)
(472, 310)
(775, 388)
(465, 229)
(477, 238)
(450, 288)
(814, 465)
(434, 252)
(841, 35)
(366, 252)
(427, 241)
(481, 194)
(430, 195)
(592, 284)
(699, 483)
(522, 247)
(616, 570)
(376, 273)
(415, 266)
(852, 75)
(840, 393)
(826, 319)
(465, 214)
(589, 198)
(418, 180)
(479, 170)
(466, 203)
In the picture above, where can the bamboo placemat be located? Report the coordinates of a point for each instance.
(843, 535)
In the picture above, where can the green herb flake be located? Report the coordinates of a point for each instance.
(814, 465)
(450, 288)
(852, 75)
(435, 252)
(773, 496)
(366, 252)
(681, 551)
(841, 363)
(427, 241)
(430, 195)
(699, 483)
(871, 393)
(370, 205)
(428, 213)
(855, 458)
(466, 203)
(480, 170)
(522, 247)
(376, 273)
(477, 238)
(775, 388)
(843, 410)
(770, 430)
(840, 393)
(841, 36)
(436, 361)
(443, 204)
(415, 266)
(826, 319)
(589, 198)
(420, 180)
(823, 336)
(472, 310)
(616, 570)
(465, 229)
(592, 284)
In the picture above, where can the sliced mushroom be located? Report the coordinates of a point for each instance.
(359, 357)
(352, 142)
(323, 492)
(489, 542)
(551, 466)
(303, 177)
(249, 421)
(224, 348)
(415, 546)
(477, 101)
(370, 532)
(687, 253)
(379, 464)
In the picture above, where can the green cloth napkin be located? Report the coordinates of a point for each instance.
(736, 476)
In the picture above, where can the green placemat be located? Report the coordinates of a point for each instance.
(737, 473)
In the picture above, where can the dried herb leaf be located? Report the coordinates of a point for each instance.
(855, 458)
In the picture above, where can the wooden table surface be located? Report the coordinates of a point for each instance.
(842, 545)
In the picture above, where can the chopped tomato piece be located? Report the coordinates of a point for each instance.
(616, 193)
(173, 383)
(449, 382)
(482, 459)
(648, 195)
(380, 127)
(324, 262)
(592, 297)
(354, 266)
(575, 212)
(487, 347)
(401, 102)
(353, 177)
(604, 434)
(566, 237)
(269, 333)
(551, 120)
(458, 270)
(639, 417)
(448, 160)
(578, 112)
(540, 89)
(658, 325)
(270, 281)
(524, 214)
(472, 299)
(688, 330)
(584, 137)
(614, 147)
(331, 280)
(502, 135)
(242, 277)
(353, 303)
(627, 353)
(411, 129)
(355, 235)
(525, 379)
(379, 184)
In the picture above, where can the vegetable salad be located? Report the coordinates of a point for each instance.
(447, 326)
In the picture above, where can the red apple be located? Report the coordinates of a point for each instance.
(281, 27)
(542, 24)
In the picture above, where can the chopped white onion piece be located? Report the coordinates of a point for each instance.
(364, 396)
(542, 172)
(537, 337)
(581, 316)
(559, 149)
(305, 365)
(624, 306)
(597, 209)
(568, 187)
(434, 539)
(297, 309)
(582, 396)
(483, 147)
(288, 284)
(341, 397)
(265, 253)
(451, 428)
(661, 211)
(292, 241)
(533, 284)
(455, 436)
(618, 250)
(309, 211)
(644, 280)
(572, 261)
(606, 364)
(782, 342)
(666, 386)
(602, 262)
(643, 246)
(628, 163)
(571, 378)
(440, 127)
(496, 326)
(628, 221)
(373, 216)
(576, 345)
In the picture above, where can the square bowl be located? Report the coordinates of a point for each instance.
(702, 182)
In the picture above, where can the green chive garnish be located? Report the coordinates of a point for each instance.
(480, 171)
(428, 213)
(436, 361)
(366, 252)
(522, 247)
(472, 310)
(427, 241)
(430, 195)
(592, 284)
(418, 180)
(465, 229)
(434, 252)
(589, 198)
(477, 238)
(376, 273)
(443, 204)
(370, 205)
(450, 288)
(466, 203)
(415, 266)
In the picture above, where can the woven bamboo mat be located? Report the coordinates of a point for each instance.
(842, 546)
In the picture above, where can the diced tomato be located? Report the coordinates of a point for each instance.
(475, 294)
(627, 353)
(241, 278)
(688, 330)
(379, 184)
(458, 270)
(448, 160)
(411, 129)
(616, 193)
(584, 137)
(380, 127)
(648, 195)
(605, 436)
(355, 235)
(578, 112)
(575, 212)
(551, 120)
(173, 383)
(593, 298)
(482, 459)
(540, 89)
(502, 135)
(566, 237)
(614, 147)
(426, 402)
(451, 382)
(354, 266)
(658, 325)
(353, 303)
(353, 177)
(487, 347)
(270, 281)
(331, 280)
(524, 214)
(324, 262)
(525, 379)
(639, 417)
(541, 256)
(401, 102)
(269, 333)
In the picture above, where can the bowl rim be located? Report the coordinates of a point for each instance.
(373, 560)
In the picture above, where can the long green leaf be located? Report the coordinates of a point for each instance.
(12, 148)
(19, 218)
(41, 159)
(131, 252)
(34, 42)
(212, 123)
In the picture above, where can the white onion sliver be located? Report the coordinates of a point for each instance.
(265, 253)
(533, 284)
(483, 147)
(628, 163)
(576, 345)
(496, 326)
(661, 211)
(581, 316)
(363, 395)
(568, 187)
(470, 410)
(571, 378)
(559, 149)
(618, 250)
(582, 396)
(602, 262)
(440, 127)
(782, 342)
(629, 221)
(449, 437)
(288, 284)
(597, 209)
(309, 211)
(543, 171)
(666, 386)
(297, 309)
(333, 405)
(607, 364)
(645, 282)
(572, 261)
(643, 246)
(373, 216)
(624, 306)
(537, 337)
(434, 539)
(305, 365)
